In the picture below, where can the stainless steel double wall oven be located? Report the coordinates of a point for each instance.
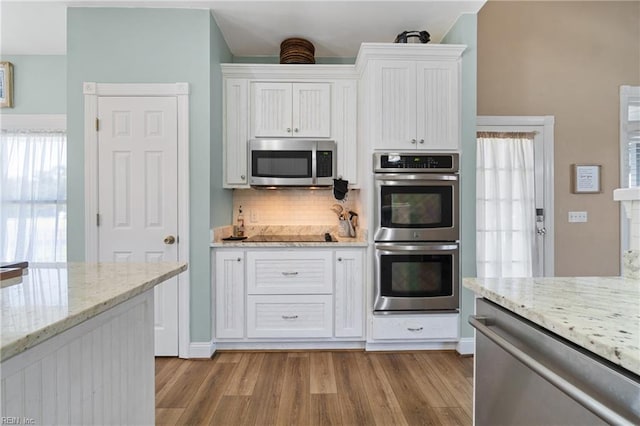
(417, 232)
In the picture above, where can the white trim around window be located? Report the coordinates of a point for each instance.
(33, 121)
(544, 125)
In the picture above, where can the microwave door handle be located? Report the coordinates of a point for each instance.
(314, 158)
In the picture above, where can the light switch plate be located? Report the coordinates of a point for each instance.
(577, 217)
(253, 216)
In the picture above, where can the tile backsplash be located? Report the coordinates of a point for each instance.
(290, 206)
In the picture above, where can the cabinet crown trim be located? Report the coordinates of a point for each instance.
(409, 51)
(289, 72)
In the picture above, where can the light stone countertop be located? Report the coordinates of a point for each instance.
(360, 240)
(50, 300)
(600, 314)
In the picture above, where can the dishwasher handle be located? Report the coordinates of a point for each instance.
(481, 324)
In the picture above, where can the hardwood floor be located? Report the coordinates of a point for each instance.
(316, 388)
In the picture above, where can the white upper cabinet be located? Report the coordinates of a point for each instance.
(236, 131)
(416, 105)
(298, 110)
(289, 101)
(411, 96)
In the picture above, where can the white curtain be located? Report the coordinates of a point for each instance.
(34, 197)
(505, 205)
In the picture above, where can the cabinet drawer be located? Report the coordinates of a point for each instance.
(308, 272)
(416, 327)
(289, 316)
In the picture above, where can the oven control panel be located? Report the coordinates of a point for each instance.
(387, 162)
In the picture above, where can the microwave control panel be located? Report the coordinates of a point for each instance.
(324, 163)
(412, 162)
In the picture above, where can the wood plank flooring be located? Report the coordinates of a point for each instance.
(316, 388)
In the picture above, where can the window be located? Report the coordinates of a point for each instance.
(33, 192)
(630, 135)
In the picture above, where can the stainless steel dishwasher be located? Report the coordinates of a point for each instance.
(526, 375)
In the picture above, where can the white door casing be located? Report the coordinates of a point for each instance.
(140, 189)
(544, 178)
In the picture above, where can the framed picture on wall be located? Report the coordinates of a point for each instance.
(585, 178)
(6, 85)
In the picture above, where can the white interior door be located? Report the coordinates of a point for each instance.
(138, 195)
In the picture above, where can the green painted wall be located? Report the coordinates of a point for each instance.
(221, 199)
(276, 60)
(39, 84)
(465, 31)
(129, 45)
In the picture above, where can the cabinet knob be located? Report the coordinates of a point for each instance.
(295, 130)
(339, 259)
(169, 239)
(413, 141)
(421, 140)
(243, 177)
(239, 259)
(288, 129)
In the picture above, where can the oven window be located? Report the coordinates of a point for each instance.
(416, 207)
(291, 164)
(416, 275)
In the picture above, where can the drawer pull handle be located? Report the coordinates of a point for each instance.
(289, 317)
(289, 274)
(415, 330)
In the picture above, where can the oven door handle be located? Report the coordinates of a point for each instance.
(419, 177)
(427, 248)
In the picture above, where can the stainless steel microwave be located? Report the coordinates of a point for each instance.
(292, 162)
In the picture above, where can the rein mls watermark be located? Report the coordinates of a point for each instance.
(17, 420)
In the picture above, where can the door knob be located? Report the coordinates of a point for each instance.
(169, 239)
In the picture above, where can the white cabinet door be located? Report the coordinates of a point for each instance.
(416, 105)
(349, 294)
(290, 110)
(271, 105)
(311, 110)
(416, 327)
(344, 119)
(285, 316)
(394, 101)
(289, 272)
(437, 105)
(236, 129)
(229, 285)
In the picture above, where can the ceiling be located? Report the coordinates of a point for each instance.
(250, 28)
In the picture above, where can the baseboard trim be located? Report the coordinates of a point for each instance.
(202, 349)
(288, 345)
(410, 346)
(466, 346)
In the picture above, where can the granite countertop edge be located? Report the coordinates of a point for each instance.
(34, 337)
(360, 240)
(587, 330)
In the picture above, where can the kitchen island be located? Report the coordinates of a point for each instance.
(581, 334)
(77, 343)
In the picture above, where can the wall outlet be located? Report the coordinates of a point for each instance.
(253, 216)
(577, 217)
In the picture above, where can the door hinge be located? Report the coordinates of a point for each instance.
(97, 124)
(97, 219)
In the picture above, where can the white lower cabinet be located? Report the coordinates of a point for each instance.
(278, 294)
(349, 294)
(286, 316)
(441, 327)
(230, 294)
